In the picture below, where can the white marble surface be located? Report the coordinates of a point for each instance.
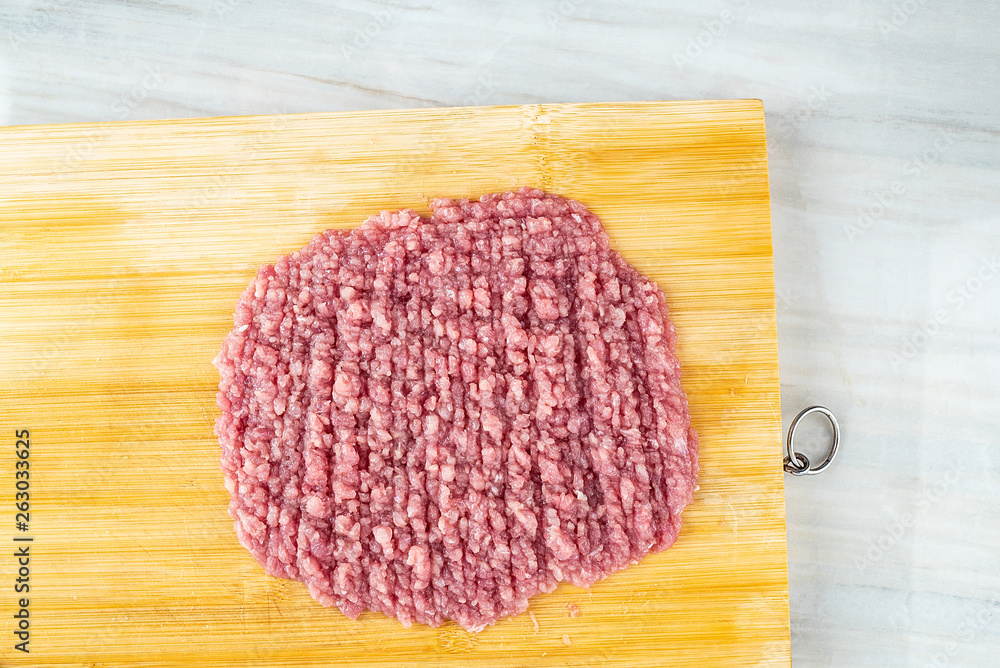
(884, 142)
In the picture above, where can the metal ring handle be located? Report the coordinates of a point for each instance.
(797, 463)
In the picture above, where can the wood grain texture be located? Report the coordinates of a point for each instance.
(125, 247)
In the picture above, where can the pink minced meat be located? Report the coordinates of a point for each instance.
(438, 418)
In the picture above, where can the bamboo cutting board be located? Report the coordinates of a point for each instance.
(125, 247)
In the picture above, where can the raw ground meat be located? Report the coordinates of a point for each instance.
(438, 418)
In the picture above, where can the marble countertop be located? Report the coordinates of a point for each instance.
(884, 149)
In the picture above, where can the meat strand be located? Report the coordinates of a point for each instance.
(439, 418)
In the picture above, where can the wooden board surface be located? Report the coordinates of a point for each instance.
(125, 247)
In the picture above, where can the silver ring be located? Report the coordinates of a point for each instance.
(797, 463)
